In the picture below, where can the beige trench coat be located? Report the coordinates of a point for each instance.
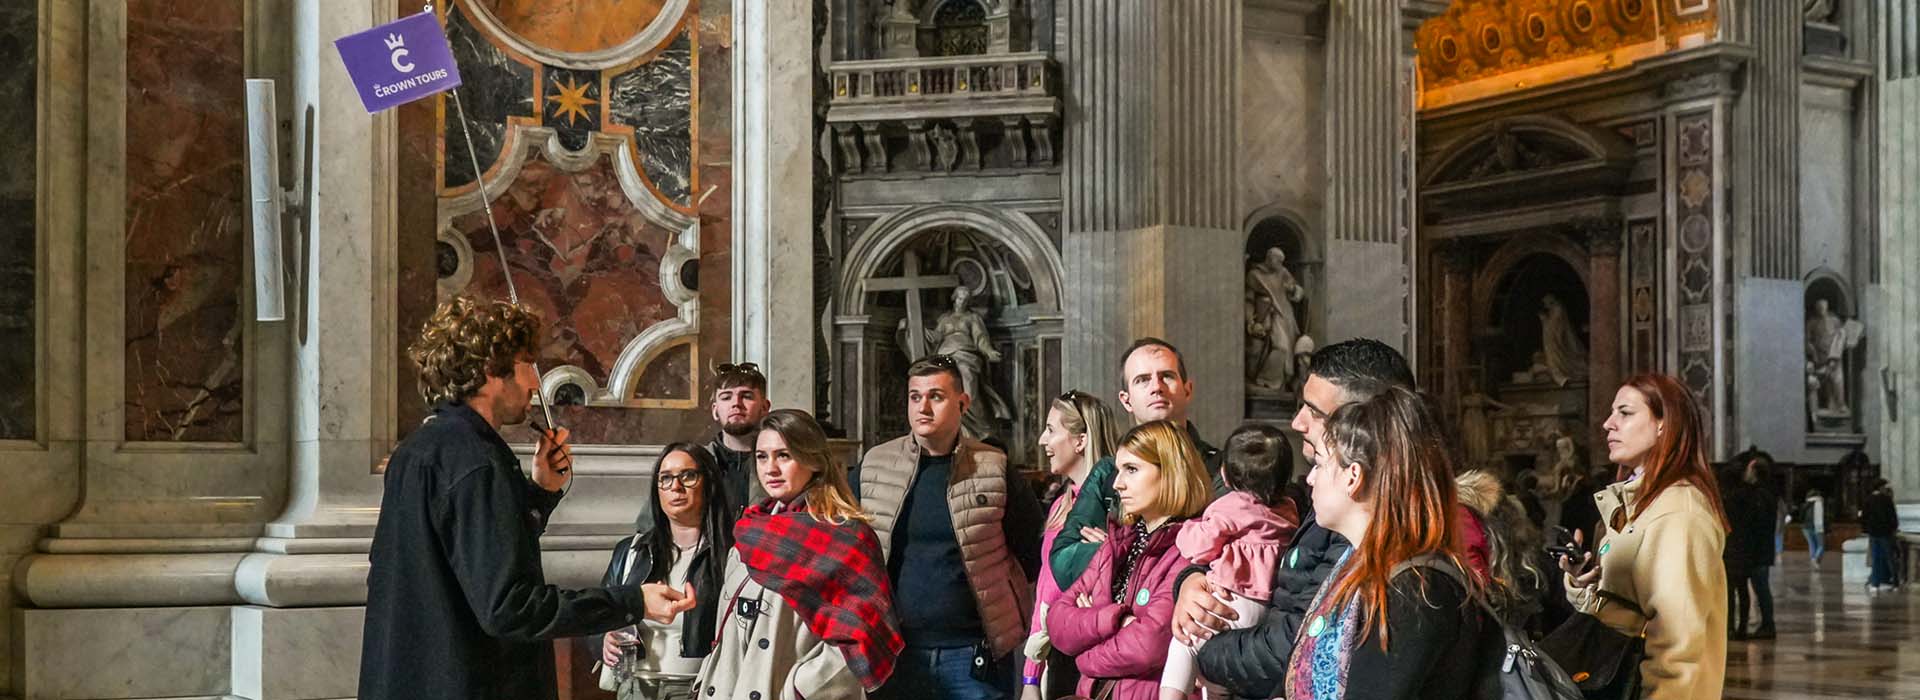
(1668, 561)
(772, 655)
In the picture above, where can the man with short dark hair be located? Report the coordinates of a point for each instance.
(1157, 388)
(739, 402)
(961, 533)
(1252, 662)
(457, 604)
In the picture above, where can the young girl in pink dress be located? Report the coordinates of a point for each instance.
(1239, 539)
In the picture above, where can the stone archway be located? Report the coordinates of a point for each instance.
(899, 274)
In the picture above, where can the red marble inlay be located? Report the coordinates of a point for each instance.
(581, 255)
(185, 236)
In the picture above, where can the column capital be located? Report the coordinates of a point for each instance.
(1600, 234)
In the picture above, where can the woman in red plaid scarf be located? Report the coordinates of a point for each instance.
(807, 611)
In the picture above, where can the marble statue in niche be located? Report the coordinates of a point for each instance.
(1566, 356)
(961, 333)
(1830, 338)
(1476, 430)
(1818, 10)
(1273, 326)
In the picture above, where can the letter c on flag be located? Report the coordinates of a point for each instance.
(399, 63)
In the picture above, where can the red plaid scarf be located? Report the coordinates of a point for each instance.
(833, 575)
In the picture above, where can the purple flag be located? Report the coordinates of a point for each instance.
(399, 62)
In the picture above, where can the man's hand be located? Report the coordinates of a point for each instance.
(1093, 534)
(664, 603)
(1197, 614)
(553, 460)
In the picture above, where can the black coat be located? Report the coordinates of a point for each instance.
(1252, 662)
(697, 625)
(1878, 516)
(457, 604)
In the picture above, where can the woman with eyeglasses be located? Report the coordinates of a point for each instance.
(681, 539)
(1079, 432)
(806, 607)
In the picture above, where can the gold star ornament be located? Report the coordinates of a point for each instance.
(572, 99)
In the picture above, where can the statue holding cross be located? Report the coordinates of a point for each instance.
(960, 333)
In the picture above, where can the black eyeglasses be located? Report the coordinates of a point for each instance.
(1071, 395)
(685, 480)
(739, 368)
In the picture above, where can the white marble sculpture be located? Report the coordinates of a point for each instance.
(961, 333)
(1273, 328)
(1829, 339)
(1566, 356)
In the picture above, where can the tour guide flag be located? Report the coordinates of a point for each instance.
(399, 62)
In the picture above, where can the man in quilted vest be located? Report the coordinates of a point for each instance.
(961, 533)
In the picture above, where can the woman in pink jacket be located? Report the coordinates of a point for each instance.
(1118, 623)
(1079, 432)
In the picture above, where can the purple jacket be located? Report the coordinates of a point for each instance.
(1104, 647)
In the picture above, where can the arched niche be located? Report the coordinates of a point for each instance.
(1001, 253)
(1278, 226)
(1833, 384)
(1514, 307)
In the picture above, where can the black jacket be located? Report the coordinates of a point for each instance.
(737, 473)
(1878, 517)
(697, 625)
(1252, 662)
(457, 604)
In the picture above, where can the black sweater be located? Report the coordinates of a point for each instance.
(457, 604)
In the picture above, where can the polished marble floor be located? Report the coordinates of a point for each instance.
(1835, 640)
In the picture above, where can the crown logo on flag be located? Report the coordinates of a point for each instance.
(395, 41)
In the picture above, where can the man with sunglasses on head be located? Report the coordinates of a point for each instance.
(739, 402)
(960, 530)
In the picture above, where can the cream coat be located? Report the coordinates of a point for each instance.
(772, 656)
(1668, 562)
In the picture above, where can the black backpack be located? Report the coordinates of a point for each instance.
(1519, 671)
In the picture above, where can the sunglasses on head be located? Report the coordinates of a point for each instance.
(737, 368)
(942, 361)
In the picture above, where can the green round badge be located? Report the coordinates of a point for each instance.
(1318, 625)
(1141, 597)
(1293, 559)
(1604, 546)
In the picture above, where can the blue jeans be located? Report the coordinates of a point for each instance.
(1880, 554)
(1816, 543)
(924, 673)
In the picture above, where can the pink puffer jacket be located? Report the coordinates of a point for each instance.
(1105, 646)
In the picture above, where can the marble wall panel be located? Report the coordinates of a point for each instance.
(575, 26)
(185, 237)
(579, 249)
(19, 48)
(654, 99)
(494, 87)
(581, 255)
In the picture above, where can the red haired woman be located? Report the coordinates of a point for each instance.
(1663, 528)
(1397, 616)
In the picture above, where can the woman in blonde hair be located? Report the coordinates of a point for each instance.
(1079, 432)
(1117, 617)
(809, 611)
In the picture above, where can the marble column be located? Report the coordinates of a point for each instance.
(1895, 383)
(773, 310)
(1455, 316)
(1370, 126)
(1604, 359)
(1773, 103)
(1148, 183)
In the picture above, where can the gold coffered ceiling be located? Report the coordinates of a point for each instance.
(1481, 48)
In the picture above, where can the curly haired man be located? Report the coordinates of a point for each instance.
(457, 604)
